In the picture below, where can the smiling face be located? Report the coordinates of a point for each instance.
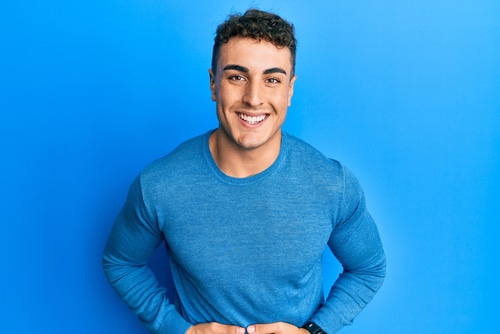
(252, 87)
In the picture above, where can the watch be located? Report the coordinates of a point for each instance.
(313, 328)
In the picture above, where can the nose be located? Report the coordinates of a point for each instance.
(253, 94)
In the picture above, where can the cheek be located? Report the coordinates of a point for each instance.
(282, 101)
(229, 95)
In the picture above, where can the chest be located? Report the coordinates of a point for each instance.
(282, 233)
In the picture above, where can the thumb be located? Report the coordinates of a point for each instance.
(262, 328)
(235, 330)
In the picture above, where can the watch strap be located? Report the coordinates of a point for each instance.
(313, 328)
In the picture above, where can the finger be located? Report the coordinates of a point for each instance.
(235, 330)
(274, 327)
(215, 328)
(228, 329)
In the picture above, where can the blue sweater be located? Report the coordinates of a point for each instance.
(245, 250)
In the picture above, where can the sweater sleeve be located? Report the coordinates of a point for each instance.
(355, 242)
(132, 241)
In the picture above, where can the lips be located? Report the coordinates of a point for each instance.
(252, 120)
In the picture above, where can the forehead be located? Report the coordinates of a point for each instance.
(254, 55)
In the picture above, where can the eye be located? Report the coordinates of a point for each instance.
(236, 78)
(273, 80)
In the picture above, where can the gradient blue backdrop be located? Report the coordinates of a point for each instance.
(405, 93)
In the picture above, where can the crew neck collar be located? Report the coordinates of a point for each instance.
(244, 180)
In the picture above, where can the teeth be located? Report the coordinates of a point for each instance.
(252, 119)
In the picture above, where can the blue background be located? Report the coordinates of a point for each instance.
(405, 93)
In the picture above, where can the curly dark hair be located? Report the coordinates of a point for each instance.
(258, 25)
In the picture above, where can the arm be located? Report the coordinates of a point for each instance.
(132, 241)
(355, 242)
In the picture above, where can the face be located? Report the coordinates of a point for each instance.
(252, 88)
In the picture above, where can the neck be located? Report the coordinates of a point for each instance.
(238, 162)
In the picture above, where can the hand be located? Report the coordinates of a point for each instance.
(215, 328)
(276, 328)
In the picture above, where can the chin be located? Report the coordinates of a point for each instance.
(253, 143)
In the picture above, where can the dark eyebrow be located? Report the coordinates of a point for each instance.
(243, 69)
(275, 70)
(236, 68)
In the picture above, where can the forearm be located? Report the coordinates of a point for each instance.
(352, 291)
(139, 289)
(134, 237)
(362, 257)
(356, 244)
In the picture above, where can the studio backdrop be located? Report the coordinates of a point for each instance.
(404, 93)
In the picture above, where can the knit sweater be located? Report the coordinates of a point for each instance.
(245, 250)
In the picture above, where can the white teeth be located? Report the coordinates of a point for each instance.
(252, 119)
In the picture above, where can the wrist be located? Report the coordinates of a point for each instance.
(312, 328)
(303, 331)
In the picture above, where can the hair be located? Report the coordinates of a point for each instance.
(258, 25)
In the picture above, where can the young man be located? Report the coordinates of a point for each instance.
(246, 210)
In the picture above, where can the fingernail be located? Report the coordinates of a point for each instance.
(241, 330)
(250, 329)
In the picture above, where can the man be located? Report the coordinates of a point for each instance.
(246, 210)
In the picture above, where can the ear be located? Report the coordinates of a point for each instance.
(212, 84)
(290, 90)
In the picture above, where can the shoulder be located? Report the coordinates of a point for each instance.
(306, 159)
(305, 155)
(181, 161)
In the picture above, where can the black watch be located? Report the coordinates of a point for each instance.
(313, 328)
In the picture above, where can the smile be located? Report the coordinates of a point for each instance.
(252, 120)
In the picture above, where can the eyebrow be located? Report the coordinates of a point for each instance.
(275, 70)
(246, 70)
(238, 68)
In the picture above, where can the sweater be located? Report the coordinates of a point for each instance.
(245, 250)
